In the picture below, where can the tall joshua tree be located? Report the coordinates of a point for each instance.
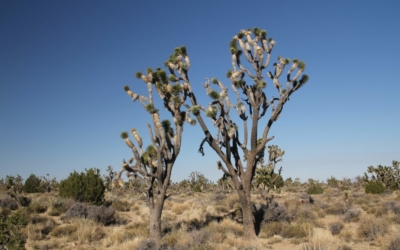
(240, 153)
(154, 164)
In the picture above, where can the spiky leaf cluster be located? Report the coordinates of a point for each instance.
(167, 127)
(214, 95)
(195, 110)
(151, 109)
(212, 112)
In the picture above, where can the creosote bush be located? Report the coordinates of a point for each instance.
(83, 187)
(315, 189)
(374, 187)
(32, 185)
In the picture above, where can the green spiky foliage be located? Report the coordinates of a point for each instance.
(173, 78)
(304, 79)
(233, 47)
(83, 187)
(176, 99)
(195, 110)
(256, 31)
(126, 88)
(270, 39)
(151, 151)
(214, 95)
(301, 65)
(214, 80)
(163, 76)
(287, 61)
(192, 122)
(229, 74)
(212, 113)
(239, 83)
(124, 135)
(149, 70)
(166, 124)
(138, 75)
(183, 50)
(176, 89)
(150, 108)
(259, 85)
(295, 60)
(240, 35)
(263, 34)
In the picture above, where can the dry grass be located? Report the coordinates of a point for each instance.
(212, 221)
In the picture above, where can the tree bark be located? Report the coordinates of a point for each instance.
(248, 216)
(155, 220)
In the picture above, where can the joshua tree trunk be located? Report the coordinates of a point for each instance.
(248, 216)
(155, 219)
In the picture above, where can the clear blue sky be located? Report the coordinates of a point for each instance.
(63, 65)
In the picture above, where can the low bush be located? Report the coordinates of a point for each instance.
(9, 203)
(32, 185)
(336, 228)
(101, 214)
(374, 187)
(10, 230)
(83, 187)
(315, 189)
(351, 215)
(272, 211)
(370, 228)
(394, 244)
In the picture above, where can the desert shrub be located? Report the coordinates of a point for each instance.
(394, 244)
(9, 203)
(286, 230)
(83, 187)
(40, 227)
(351, 215)
(272, 211)
(337, 208)
(218, 196)
(336, 228)
(119, 205)
(64, 230)
(315, 189)
(32, 185)
(374, 187)
(393, 206)
(370, 228)
(60, 205)
(146, 244)
(88, 231)
(345, 247)
(101, 214)
(37, 207)
(10, 227)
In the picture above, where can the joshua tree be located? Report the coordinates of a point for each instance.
(154, 164)
(240, 153)
(388, 176)
(266, 178)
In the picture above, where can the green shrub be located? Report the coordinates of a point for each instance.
(374, 187)
(83, 187)
(315, 189)
(32, 185)
(10, 226)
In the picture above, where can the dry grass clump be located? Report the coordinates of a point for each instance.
(351, 215)
(286, 230)
(66, 230)
(394, 244)
(336, 227)
(37, 207)
(120, 205)
(39, 227)
(140, 230)
(337, 208)
(346, 235)
(88, 231)
(101, 214)
(369, 228)
(179, 208)
(59, 205)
